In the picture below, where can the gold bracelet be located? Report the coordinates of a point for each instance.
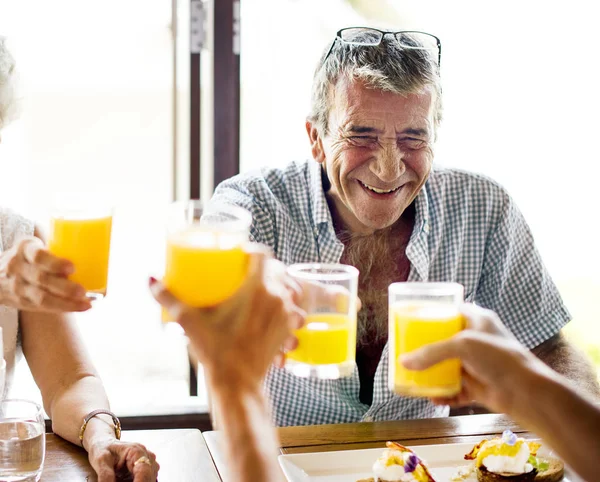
(101, 411)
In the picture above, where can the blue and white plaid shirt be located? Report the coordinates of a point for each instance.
(467, 229)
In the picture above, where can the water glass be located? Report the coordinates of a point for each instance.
(22, 441)
(327, 342)
(2, 366)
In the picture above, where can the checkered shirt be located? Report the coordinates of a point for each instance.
(467, 229)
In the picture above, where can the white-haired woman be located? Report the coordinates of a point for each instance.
(35, 294)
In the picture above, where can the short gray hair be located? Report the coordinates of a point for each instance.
(8, 101)
(388, 67)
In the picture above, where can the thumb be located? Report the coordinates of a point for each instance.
(31, 245)
(430, 355)
(316, 294)
(165, 298)
(258, 256)
(105, 470)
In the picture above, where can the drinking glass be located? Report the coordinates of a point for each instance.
(420, 314)
(206, 261)
(22, 441)
(327, 341)
(80, 231)
(2, 366)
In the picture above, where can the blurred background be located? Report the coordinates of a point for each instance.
(106, 98)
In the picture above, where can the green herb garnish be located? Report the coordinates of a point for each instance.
(538, 464)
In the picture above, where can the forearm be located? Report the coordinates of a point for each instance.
(250, 441)
(564, 358)
(68, 409)
(566, 420)
(66, 377)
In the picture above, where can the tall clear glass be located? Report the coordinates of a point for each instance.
(327, 342)
(80, 231)
(420, 314)
(2, 366)
(22, 441)
(206, 261)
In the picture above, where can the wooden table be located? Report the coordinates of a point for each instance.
(322, 438)
(182, 455)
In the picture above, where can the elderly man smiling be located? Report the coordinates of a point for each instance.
(370, 198)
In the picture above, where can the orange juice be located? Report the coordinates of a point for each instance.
(413, 325)
(326, 338)
(86, 243)
(204, 268)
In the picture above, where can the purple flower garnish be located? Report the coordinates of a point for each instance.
(411, 463)
(509, 438)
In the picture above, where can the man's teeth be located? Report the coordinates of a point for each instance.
(379, 191)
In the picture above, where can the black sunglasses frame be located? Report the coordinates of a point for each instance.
(383, 33)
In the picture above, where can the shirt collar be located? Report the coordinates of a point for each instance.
(320, 208)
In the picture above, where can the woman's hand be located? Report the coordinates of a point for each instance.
(115, 460)
(33, 279)
(494, 363)
(240, 337)
(276, 276)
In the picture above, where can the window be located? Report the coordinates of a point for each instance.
(97, 116)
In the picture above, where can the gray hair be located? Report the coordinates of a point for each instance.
(8, 101)
(388, 67)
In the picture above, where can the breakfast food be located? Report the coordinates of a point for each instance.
(513, 459)
(399, 464)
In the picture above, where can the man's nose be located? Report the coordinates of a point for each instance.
(389, 164)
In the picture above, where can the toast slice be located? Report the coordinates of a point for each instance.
(554, 473)
(484, 475)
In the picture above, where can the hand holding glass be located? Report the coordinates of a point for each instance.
(420, 314)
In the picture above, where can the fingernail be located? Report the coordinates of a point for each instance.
(404, 359)
(152, 280)
(299, 319)
(69, 269)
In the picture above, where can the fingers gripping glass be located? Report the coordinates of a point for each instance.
(407, 39)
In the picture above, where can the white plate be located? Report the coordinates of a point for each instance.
(443, 462)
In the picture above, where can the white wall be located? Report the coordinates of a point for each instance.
(521, 105)
(96, 85)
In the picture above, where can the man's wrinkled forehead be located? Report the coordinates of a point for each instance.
(355, 105)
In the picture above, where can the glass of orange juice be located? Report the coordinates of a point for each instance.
(327, 341)
(80, 231)
(206, 261)
(420, 314)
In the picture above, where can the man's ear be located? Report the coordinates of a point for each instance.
(316, 144)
